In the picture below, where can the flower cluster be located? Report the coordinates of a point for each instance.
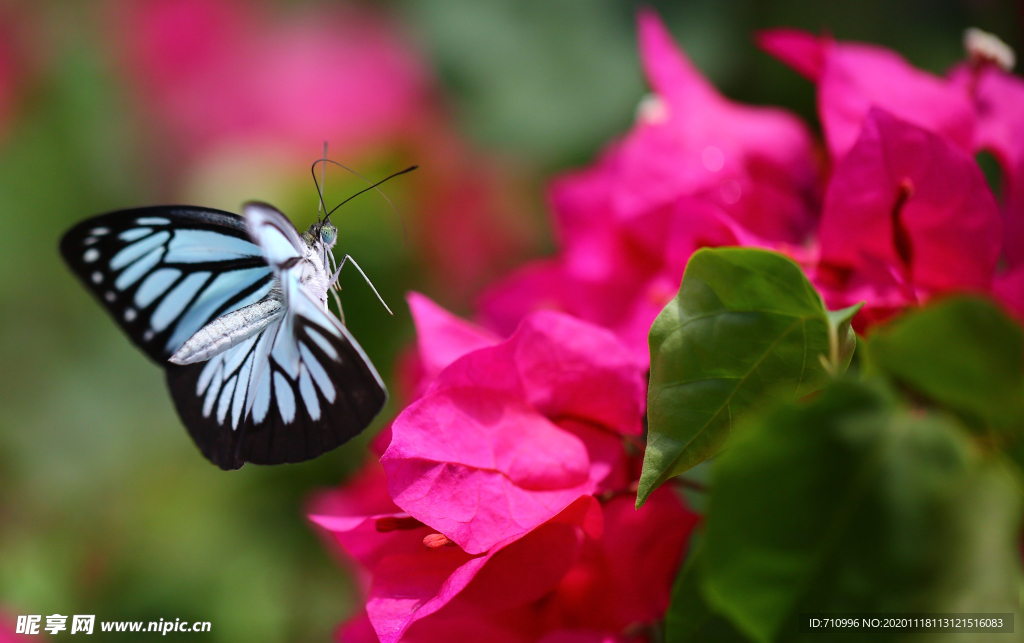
(503, 500)
(898, 212)
(502, 504)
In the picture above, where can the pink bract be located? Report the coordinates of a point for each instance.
(441, 337)
(696, 170)
(853, 77)
(587, 574)
(999, 97)
(909, 212)
(753, 162)
(501, 441)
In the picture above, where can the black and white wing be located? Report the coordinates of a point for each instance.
(164, 272)
(300, 387)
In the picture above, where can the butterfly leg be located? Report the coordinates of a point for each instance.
(334, 279)
(334, 288)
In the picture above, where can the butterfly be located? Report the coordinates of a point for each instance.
(235, 310)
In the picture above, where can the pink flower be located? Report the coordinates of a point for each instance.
(412, 580)
(854, 77)
(754, 162)
(586, 575)
(510, 435)
(696, 170)
(907, 215)
(618, 276)
(220, 71)
(498, 482)
(442, 337)
(998, 97)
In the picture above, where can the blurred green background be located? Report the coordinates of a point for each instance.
(106, 507)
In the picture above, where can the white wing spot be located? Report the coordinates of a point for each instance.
(91, 255)
(97, 277)
(211, 393)
(130, 253)
(240, 392)
(155, 285)
(225, 399)
(110, 296)
(148, 335)
(134, 272)
(90, 240)
(153, 221)
(323, 343)
(130, 314)
(285, 397)
(320, 376)
(174, 303)
(134, 234)
(308, 394)
(261, 404)
(206, 375)
(99, 232)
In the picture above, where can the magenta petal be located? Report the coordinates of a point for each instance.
(755, 162)
(350, 515)
(481, 469)
(527, 569)
(471, 625)
(538, 285)
(573, 369)
(442, 337)
(669, 71)
(802, 51)
(644, 549)
(357, 629)
(480, 457)
(857, 77)
(584, 221)
(999, 97)
(409, 587)
(909, 199)
(581, 636)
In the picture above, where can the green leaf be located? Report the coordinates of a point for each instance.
(689, 618)
(745, 321)
(964, 354)
(849, 504)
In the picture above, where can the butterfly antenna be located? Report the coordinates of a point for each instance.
(321, 206)
(323, 185)
(374, 186)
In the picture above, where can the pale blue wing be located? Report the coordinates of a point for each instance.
(164, 272)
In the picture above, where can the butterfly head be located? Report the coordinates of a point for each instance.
(328, 234)
(323, 234)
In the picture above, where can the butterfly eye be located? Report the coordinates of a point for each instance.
(328, 235)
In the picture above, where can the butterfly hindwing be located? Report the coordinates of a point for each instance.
(164, 272)
(300, 388)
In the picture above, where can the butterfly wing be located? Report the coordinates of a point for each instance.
(164, 272)
(299, 388)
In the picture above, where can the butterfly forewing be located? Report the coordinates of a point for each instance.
(164, 272)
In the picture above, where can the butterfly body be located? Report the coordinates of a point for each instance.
(235, 309)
